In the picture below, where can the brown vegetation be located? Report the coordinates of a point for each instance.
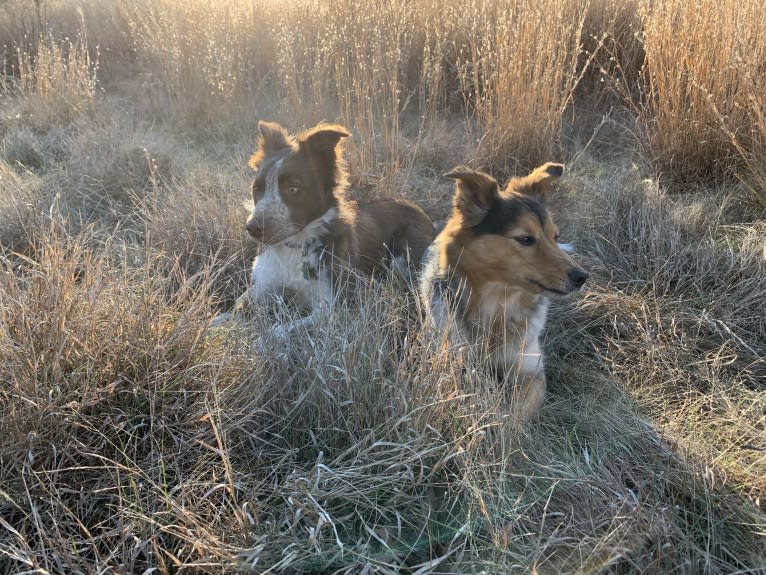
(132, 437)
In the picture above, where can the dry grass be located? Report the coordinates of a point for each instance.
(133, 439)
(519, 98)
(704, 109)
(54, 84)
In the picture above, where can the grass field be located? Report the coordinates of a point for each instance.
(134, 439)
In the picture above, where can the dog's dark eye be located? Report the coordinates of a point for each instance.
(525, 240)
(556, 238)
(258, 188)
(292, 190)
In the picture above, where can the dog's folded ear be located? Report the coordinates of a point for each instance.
(538, 182)
(475, 193)
(322, 137)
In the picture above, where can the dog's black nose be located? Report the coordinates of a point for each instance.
(254, 229)
(577, 277)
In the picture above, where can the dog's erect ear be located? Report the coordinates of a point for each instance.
(539, 181)
(475, 193)
(273, 137)
(322, 138)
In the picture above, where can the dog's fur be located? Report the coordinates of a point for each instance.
(310, 233)
(489, 273)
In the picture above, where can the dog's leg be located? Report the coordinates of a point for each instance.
(529, 394)
(221, 319)
(244, 303)
(280, 332)
(323, 296)
(241, 309)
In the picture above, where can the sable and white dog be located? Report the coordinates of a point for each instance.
(311, 235)
(488, 276)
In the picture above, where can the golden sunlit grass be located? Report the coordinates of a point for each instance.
(133, 439)
(704, 109)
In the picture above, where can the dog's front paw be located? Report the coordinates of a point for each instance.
(245, 304)
(221, 320)
(273, 340)
(279, 332)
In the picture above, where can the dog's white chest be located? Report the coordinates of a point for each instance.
(529, 353)
(278, 270)
(522, 327)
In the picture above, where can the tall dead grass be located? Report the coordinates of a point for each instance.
(514, 70)
(703, 110)
(53, 84)
(428, 58)
(21, 208)
(94, 349)
(520, 98)
(134, 439)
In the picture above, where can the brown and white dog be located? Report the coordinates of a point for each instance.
(310, 233)
(489, 274)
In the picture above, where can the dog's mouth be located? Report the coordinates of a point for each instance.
(273, 240)
(547, 289)
(269, 238)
